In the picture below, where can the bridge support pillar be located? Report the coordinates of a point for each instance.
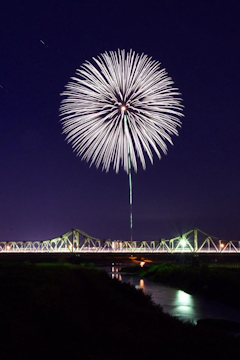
(195, 240)
(75, 239)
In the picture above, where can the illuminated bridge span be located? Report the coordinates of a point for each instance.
(77, 241)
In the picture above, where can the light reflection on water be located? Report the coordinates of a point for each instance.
(115, 272)
(178, 303)
(142, 285)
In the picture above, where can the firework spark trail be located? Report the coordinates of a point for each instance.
(118, 109)
(99, 97)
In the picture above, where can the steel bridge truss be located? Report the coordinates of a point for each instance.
(76, 241)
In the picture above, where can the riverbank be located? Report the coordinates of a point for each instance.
(75, 311)
(220, 283)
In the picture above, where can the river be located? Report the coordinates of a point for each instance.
(176, 302)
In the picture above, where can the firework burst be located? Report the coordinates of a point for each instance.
(120, 109)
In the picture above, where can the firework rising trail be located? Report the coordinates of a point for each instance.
(122, 106)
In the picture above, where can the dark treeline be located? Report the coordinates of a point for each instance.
(56, 311)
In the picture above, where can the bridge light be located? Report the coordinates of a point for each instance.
(183, 242)
(142, 263)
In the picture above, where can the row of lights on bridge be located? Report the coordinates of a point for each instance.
(183, 243)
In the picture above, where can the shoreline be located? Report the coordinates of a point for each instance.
(215, 283)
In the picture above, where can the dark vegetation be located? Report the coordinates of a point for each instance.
(220, 282)
(58, 311)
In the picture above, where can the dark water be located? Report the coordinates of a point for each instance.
(176, 302)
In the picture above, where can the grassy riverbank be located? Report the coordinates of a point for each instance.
(214, 281)
(69, 311)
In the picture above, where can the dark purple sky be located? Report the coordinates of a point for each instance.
(46, 190)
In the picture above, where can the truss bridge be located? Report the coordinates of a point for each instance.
(77, 241)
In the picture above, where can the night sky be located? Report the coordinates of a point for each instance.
(47, 190)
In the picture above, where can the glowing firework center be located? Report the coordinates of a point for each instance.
(123, 109)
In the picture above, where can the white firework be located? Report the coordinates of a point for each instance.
(122, 108)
